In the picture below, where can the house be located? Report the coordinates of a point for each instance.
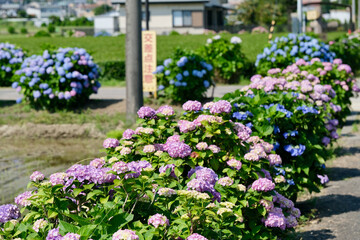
(40, 10)
(183, 16)
(9, 9)
(107, 23)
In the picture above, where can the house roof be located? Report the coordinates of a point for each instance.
(163, 1)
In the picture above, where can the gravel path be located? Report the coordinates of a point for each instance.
(119, 93)
(338, 205)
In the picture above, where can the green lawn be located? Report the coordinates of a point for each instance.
(113, 48)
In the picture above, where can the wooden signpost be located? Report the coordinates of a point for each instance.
(149, 61)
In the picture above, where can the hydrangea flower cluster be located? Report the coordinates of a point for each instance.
(227, 58)
(11, 59)
(184, 76)
(62, 78)
(283, 51)
(158, 220)
(8, 212)
(125, 235)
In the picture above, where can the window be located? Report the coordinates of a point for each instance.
(186, 18)
(177, 19)
(143, 15)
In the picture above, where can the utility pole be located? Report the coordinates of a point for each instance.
(353, 13)
(134, 89)
(358, 16)
(300, 14)
(147, 14)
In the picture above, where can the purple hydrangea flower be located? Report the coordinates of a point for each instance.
(164, 168)
(127, 134)
(178, 149)
(9, 212)
(146, 112)
(274, 159)
(276, 219)
(323, 179)
(71, 236)
(136, 167)
(54, 234)
(37, 176)
(22, 199)
(204, 173)
(111, 143)
(120, 167)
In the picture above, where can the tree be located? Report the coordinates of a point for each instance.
(262, 12)
(102, 9)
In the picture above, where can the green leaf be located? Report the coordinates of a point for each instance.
(214, 164)
(85, 231)
(77, 191)
(120, 220)
(65, 227)
(93, 193)
(82, 221)
(52, 214)
(104, 200)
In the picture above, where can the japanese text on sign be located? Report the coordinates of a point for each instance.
(149, 61)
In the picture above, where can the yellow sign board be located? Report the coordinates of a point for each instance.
(312, 14)
(149, 61)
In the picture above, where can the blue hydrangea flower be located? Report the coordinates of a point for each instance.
(295, 151)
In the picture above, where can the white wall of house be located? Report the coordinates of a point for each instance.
(161, 18)
(109, 24)
(33, 12)
(342, 15)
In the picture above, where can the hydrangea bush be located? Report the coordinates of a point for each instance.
(202, 177)
(297, 109)
(184, 76)
(338, 75)
(11, 58)
(63, 78)
(346, 48)
(227, 59)
(284, 51)
(292, 124)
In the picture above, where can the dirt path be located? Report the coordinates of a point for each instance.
(338, 205)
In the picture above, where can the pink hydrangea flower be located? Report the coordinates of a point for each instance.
(221, 106)
(196, 236)
(111, 143)
(158, 220)
(225, 181)
(97, 162)
(125, 234)
(263, 185)
(234, 164)
(192, 106)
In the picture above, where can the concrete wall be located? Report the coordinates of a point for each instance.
(161, 18)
